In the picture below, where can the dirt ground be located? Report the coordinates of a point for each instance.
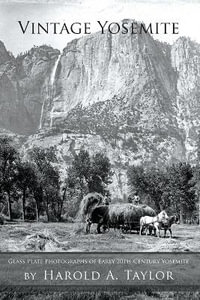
(71, 237)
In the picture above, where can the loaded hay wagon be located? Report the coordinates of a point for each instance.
(124, 216)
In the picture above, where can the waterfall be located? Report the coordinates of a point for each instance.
(41, 115)
(53, 73)
(52, 79)
(50, 92)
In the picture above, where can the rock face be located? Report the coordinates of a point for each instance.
(130, 96)
(186, 61)
(131, 70)
(23, 84)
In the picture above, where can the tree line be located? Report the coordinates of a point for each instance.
(175, 188)
(32, 187)
(35, 187)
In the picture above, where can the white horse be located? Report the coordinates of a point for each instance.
(155, 221)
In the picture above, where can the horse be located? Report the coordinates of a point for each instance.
(99, 215)
(167, 225)
(88, 203)
(145, 221)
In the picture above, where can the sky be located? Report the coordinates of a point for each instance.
(186, 12)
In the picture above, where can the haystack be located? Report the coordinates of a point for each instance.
(148, 211)
(117, 213)
(128, 214)
(87, 204)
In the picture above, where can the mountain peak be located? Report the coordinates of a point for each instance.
(4, 54)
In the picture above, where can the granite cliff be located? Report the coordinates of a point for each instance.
(130, 96)
(22, 87)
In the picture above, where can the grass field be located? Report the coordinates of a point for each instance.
(72, 237)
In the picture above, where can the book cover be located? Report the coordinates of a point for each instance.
(99, 149)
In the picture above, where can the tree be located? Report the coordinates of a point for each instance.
(195, 182)
(100, 174)
(48, 183)
(150, 182)
(171, 187)
(87, 174)
(38, 196)
(180, 189)
(157, 181)
(26, 181)
(136, 179)
(90, 174)
(81, 170)
(8, 169)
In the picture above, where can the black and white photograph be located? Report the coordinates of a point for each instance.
(100, 140)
